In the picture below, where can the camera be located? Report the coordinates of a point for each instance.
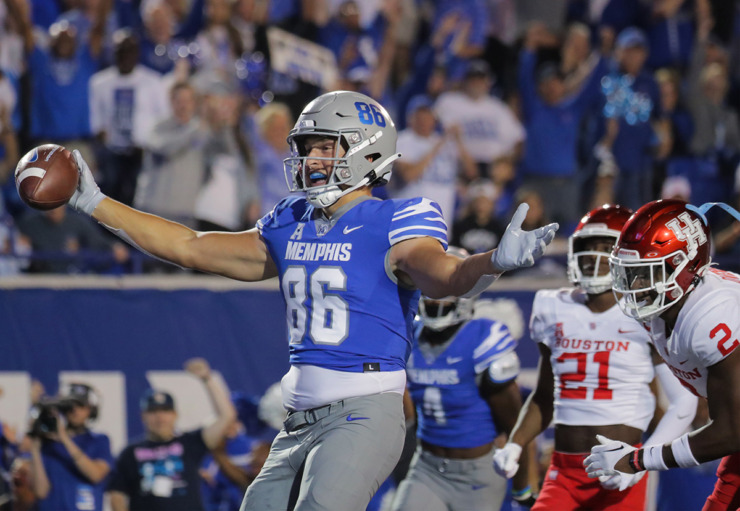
(44, 416)
(44, 413)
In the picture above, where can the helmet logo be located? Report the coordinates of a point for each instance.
(691, 231)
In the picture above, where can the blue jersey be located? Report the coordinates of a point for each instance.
(70, 489)
(344, 309)
(444, 387)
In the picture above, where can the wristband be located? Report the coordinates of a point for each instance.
(652, 458)
(634, 461)
(682, 452)
(522, 494)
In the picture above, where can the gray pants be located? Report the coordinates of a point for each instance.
(331, 459)
(439, 484)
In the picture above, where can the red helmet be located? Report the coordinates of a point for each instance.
(603, 222)
(661, 255)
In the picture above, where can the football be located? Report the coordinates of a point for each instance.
(46, 177)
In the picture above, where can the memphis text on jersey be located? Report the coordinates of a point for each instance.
(307, 251)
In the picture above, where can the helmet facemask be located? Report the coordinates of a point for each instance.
(440, 314)
(644, 288)
(589, 269)
(349, 151)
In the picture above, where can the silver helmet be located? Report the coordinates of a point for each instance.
(438, 314)
(365, 148)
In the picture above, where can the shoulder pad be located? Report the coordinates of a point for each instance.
(504, 368)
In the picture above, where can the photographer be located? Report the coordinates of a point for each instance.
(159, 472)
(68, 461)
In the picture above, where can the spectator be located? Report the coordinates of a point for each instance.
(632, 105)
(219, 43)
(576, 58)
(268, 129)
(674, 130)
(59, 106)
(229, 199)
(23, 498)
(82, 17)
(553, 120)
(231, 468)
(667, 24)
(160, 471)
(69, 464)
(173, 169)
(504, 177)
(479, 231)
(8, 455)
(458, 34)
(161, 45)
(126, 100)
(14, 249)
(716, 140)
(490, 130)
(64, 242)
(431, 163)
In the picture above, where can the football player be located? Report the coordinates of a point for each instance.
(661, 269)
(350, 270)
(595, 371)
(461, 378)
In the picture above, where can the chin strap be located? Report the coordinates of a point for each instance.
(331, 194)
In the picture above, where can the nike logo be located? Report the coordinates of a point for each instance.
(615, 449)
(350, 418)
(347, 229)
(622, 331)
(683, 361)
(478, 486)
(453, 360)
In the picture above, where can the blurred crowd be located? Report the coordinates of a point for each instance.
(183, 108)
(64, 461)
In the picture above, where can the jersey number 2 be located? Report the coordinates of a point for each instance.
(571, 391)
(329, 321)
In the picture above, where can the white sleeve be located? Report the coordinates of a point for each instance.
(681, 409)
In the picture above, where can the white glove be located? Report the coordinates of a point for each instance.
(87, 196)
(602, 459)
(506, 460)
(621, 481)
(519, 248)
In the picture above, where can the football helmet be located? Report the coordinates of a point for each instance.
(438, 314)
(661, 255)
(603, 222)
(365, 146)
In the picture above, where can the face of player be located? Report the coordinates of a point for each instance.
(160, 424)
(321, 153)
(593, 265)
(644, 277)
